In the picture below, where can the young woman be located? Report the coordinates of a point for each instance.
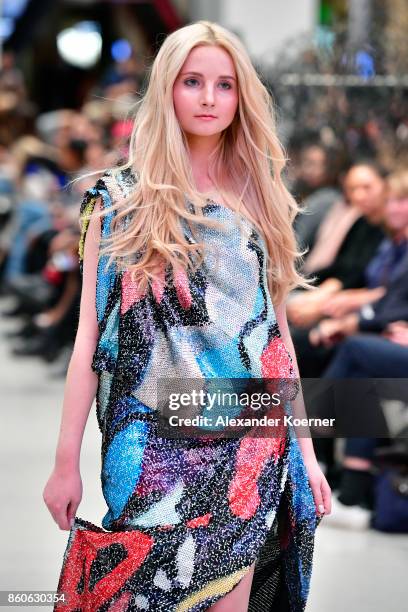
(187, 519)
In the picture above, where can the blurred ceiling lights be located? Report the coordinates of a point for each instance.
(121, 50)
(10, 10)
(81, 44)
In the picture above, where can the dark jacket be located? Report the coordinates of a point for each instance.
(393, 306)
(358, 248)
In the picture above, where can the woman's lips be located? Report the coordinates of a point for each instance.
(205, 117)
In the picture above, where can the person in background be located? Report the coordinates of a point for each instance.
(387, 271)
(316, 189)
(347, 241)
(367, 356)
(375, 346)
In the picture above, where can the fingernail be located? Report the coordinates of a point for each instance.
(321, 508)
(71, 522)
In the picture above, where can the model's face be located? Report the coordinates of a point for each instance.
(206, 85)
(365, 189)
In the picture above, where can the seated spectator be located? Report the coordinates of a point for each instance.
(316, 190)
(382, 355)
(346, 241)
(375, 344)
(53, 327)
(387, 259)
(315, 346)
(387, 271)
(364, 356)
(36, 186)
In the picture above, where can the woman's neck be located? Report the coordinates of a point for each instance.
(200, 147)
(200, 150)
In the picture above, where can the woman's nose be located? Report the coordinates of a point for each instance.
(208, 95)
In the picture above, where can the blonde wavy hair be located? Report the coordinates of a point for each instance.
(245, 167)
(397, 183)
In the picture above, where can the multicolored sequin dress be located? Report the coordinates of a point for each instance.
(187, 518)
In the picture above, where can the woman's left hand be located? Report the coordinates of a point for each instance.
(320, 487)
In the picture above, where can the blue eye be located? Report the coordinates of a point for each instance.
(188, 80)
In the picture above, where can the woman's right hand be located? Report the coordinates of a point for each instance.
(62, 495)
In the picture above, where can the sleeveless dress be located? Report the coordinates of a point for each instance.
(187, 518)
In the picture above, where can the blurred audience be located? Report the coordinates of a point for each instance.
(366, 336)
(385, 296)
(44, 172)
(353, 227)
(346, 241)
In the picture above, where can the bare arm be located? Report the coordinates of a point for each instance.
(318, 483)
(305, 443)
(350, 300)
(63, 491)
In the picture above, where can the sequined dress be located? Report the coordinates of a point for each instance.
(187, 518)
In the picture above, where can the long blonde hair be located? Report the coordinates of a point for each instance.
(245, 168)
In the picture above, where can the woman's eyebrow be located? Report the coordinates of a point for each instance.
(223, 76)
